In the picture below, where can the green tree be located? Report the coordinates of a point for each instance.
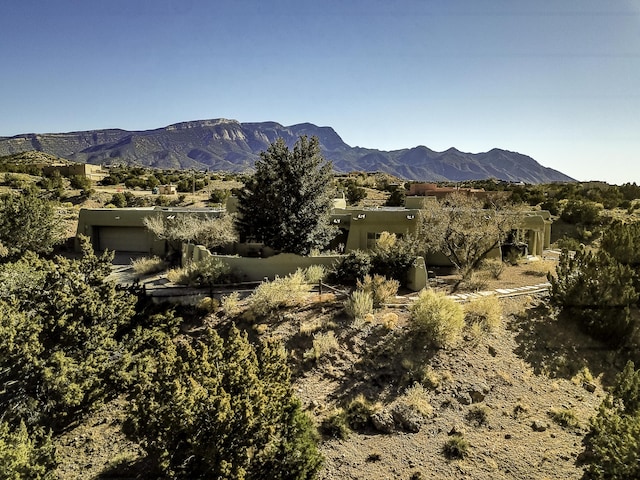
(28, 222)
(287, 202)
(354, 193)
(614, 441)
(396, 198)
(58, 325)
(583, 212)
(597, 290)
(25, 454)
(209, 408)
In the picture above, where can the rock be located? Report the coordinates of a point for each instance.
(383, 421)
(478, 392)
(507, 436)
(492, 351)
(589, 387)
(539, 426)
(464, 398)
(407, 418)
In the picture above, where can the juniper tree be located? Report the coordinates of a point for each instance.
(212, 408)
(597, 290)
(287, 202)
(614, 441)
(58, 325)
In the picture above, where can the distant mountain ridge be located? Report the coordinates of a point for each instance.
(228, 145)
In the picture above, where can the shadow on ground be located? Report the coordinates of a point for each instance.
(554, 345)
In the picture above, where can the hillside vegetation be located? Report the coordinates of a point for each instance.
(365, 380)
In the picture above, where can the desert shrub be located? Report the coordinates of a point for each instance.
(206, 272)
(146, 265)
(565, 417)
(598, 291)
(485, 311)
(427, 377)
(286, 291)
(359, 304)
(336, 425)
(475, 281)
(392, 257)
(614, 440)
(208, 304)
(456, 447)
(231, 304)
(389, 320)
(353, 267)
(494, 266)
(359, 412)
(583, 212)
(315, 274)
(438, 318)
(212, 408)
(25, 454)
(569, 243)
(59, 322)
(323, 344)
(381, 289)
(417, 397)
(478, 414)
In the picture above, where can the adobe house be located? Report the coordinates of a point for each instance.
(92, 172)
(123, 229)
(167, 189)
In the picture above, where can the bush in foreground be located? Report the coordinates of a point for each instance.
(614, 440)
(214, 408)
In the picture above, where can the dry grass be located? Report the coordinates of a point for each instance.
(359, 305)
(288, 291)
(148, 265)
(484, 313)
(417, 397)
(323, 344)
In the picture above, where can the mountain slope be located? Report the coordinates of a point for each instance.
(229, 145)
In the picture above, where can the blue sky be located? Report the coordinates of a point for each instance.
(558, 80)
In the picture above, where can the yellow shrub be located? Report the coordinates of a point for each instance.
(288, 291)
(437, 317)
(486, 312)
(359, 305)
(323, 343)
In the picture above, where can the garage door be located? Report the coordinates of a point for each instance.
(124, 239)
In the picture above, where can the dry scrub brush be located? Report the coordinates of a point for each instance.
(437, 317)
(148, 265)
(287, 291)
(381, 288)
(323, 344)
(485, 312)
(359, 305)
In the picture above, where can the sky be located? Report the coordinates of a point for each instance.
(558, 80)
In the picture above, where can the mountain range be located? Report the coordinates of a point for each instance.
(228, 145)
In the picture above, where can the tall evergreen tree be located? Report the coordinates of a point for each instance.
(287, 202)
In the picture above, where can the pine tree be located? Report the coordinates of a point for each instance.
(287, 202)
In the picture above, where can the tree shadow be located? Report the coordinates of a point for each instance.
(138, 469)
(555, 345)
